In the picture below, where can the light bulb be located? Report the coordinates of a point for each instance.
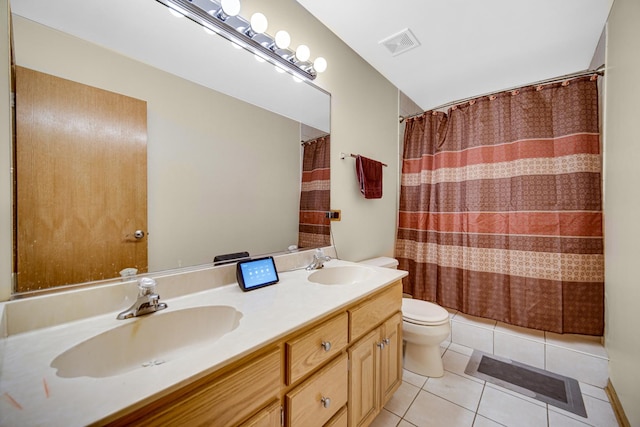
(283, 39)
(303, 53)
(320, 64)
(230, 7)
(259, 23)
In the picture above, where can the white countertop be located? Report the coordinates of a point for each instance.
(32, 394)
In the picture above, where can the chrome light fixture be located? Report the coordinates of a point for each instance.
(223, 17)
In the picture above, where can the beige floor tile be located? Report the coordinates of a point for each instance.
(599, 413)
(583, 367)
(405, 423)
(481, 421)
(511, 411)
(559, 420)
(456, 363)
(457, 389)
(429, 410)
(386, 419)
(594, 391)
(413, 378)
(402, 399)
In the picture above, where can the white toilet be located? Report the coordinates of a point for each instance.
(424, 326)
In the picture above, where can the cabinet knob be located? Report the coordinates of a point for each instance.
(380, 345)
(386, 341)
(326, 345)
(326, 402)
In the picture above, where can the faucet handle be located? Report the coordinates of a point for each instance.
(147, 286)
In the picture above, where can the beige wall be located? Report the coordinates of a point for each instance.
(622, 203)
(364, 120)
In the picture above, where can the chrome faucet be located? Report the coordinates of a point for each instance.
(319, 259)
(148, 300)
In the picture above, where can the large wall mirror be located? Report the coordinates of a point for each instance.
(223, 135)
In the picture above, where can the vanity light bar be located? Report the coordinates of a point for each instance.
(236, 29)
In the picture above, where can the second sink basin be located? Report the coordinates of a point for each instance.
(343, 275)
(146, 341)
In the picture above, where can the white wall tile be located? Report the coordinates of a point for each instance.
(519, 349)
(467, 334)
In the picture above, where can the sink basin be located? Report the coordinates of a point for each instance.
(146, 341)
(344, 275)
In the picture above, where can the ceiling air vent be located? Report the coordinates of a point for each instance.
(400, 42)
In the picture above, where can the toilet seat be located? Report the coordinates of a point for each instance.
(423, 313)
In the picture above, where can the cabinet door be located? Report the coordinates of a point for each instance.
(391, 358)
(364, 379)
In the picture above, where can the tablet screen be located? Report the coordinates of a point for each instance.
(256, 273)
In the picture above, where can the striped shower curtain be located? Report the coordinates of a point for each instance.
(501, 208)
(315, 229)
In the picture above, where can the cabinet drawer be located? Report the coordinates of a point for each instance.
(372, 312)
(305, 405)
(310, 350)
(224, 401)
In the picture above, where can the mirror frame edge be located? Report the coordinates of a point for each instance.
(6, 155)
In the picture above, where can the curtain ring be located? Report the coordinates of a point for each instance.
(539, 88)
(434, 113)
(515, 92)
(492, 97)
(473, 101)
(455, 107)
(594, 78)
(565, 83)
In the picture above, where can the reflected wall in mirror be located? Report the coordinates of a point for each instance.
(223, 175)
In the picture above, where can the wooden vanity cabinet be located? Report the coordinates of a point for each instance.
(336, 372)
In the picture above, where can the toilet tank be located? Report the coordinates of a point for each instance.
(382, 261)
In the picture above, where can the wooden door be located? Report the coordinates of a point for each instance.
(81, 191)
(391, 358)
(364, 379)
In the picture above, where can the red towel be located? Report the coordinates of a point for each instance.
(369, 173)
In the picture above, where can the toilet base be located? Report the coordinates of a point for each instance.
(423, 360)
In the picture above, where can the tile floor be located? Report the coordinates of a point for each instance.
(459, 400)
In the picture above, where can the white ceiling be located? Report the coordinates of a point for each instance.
(468, 47)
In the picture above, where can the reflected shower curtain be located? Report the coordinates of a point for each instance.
(501, 208)
(314, 229)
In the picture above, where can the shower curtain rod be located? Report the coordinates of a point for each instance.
(599, 71)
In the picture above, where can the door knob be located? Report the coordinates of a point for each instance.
(139, 234)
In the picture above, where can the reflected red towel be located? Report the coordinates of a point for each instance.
(369, 173)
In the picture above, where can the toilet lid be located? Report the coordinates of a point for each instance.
(423, 312)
